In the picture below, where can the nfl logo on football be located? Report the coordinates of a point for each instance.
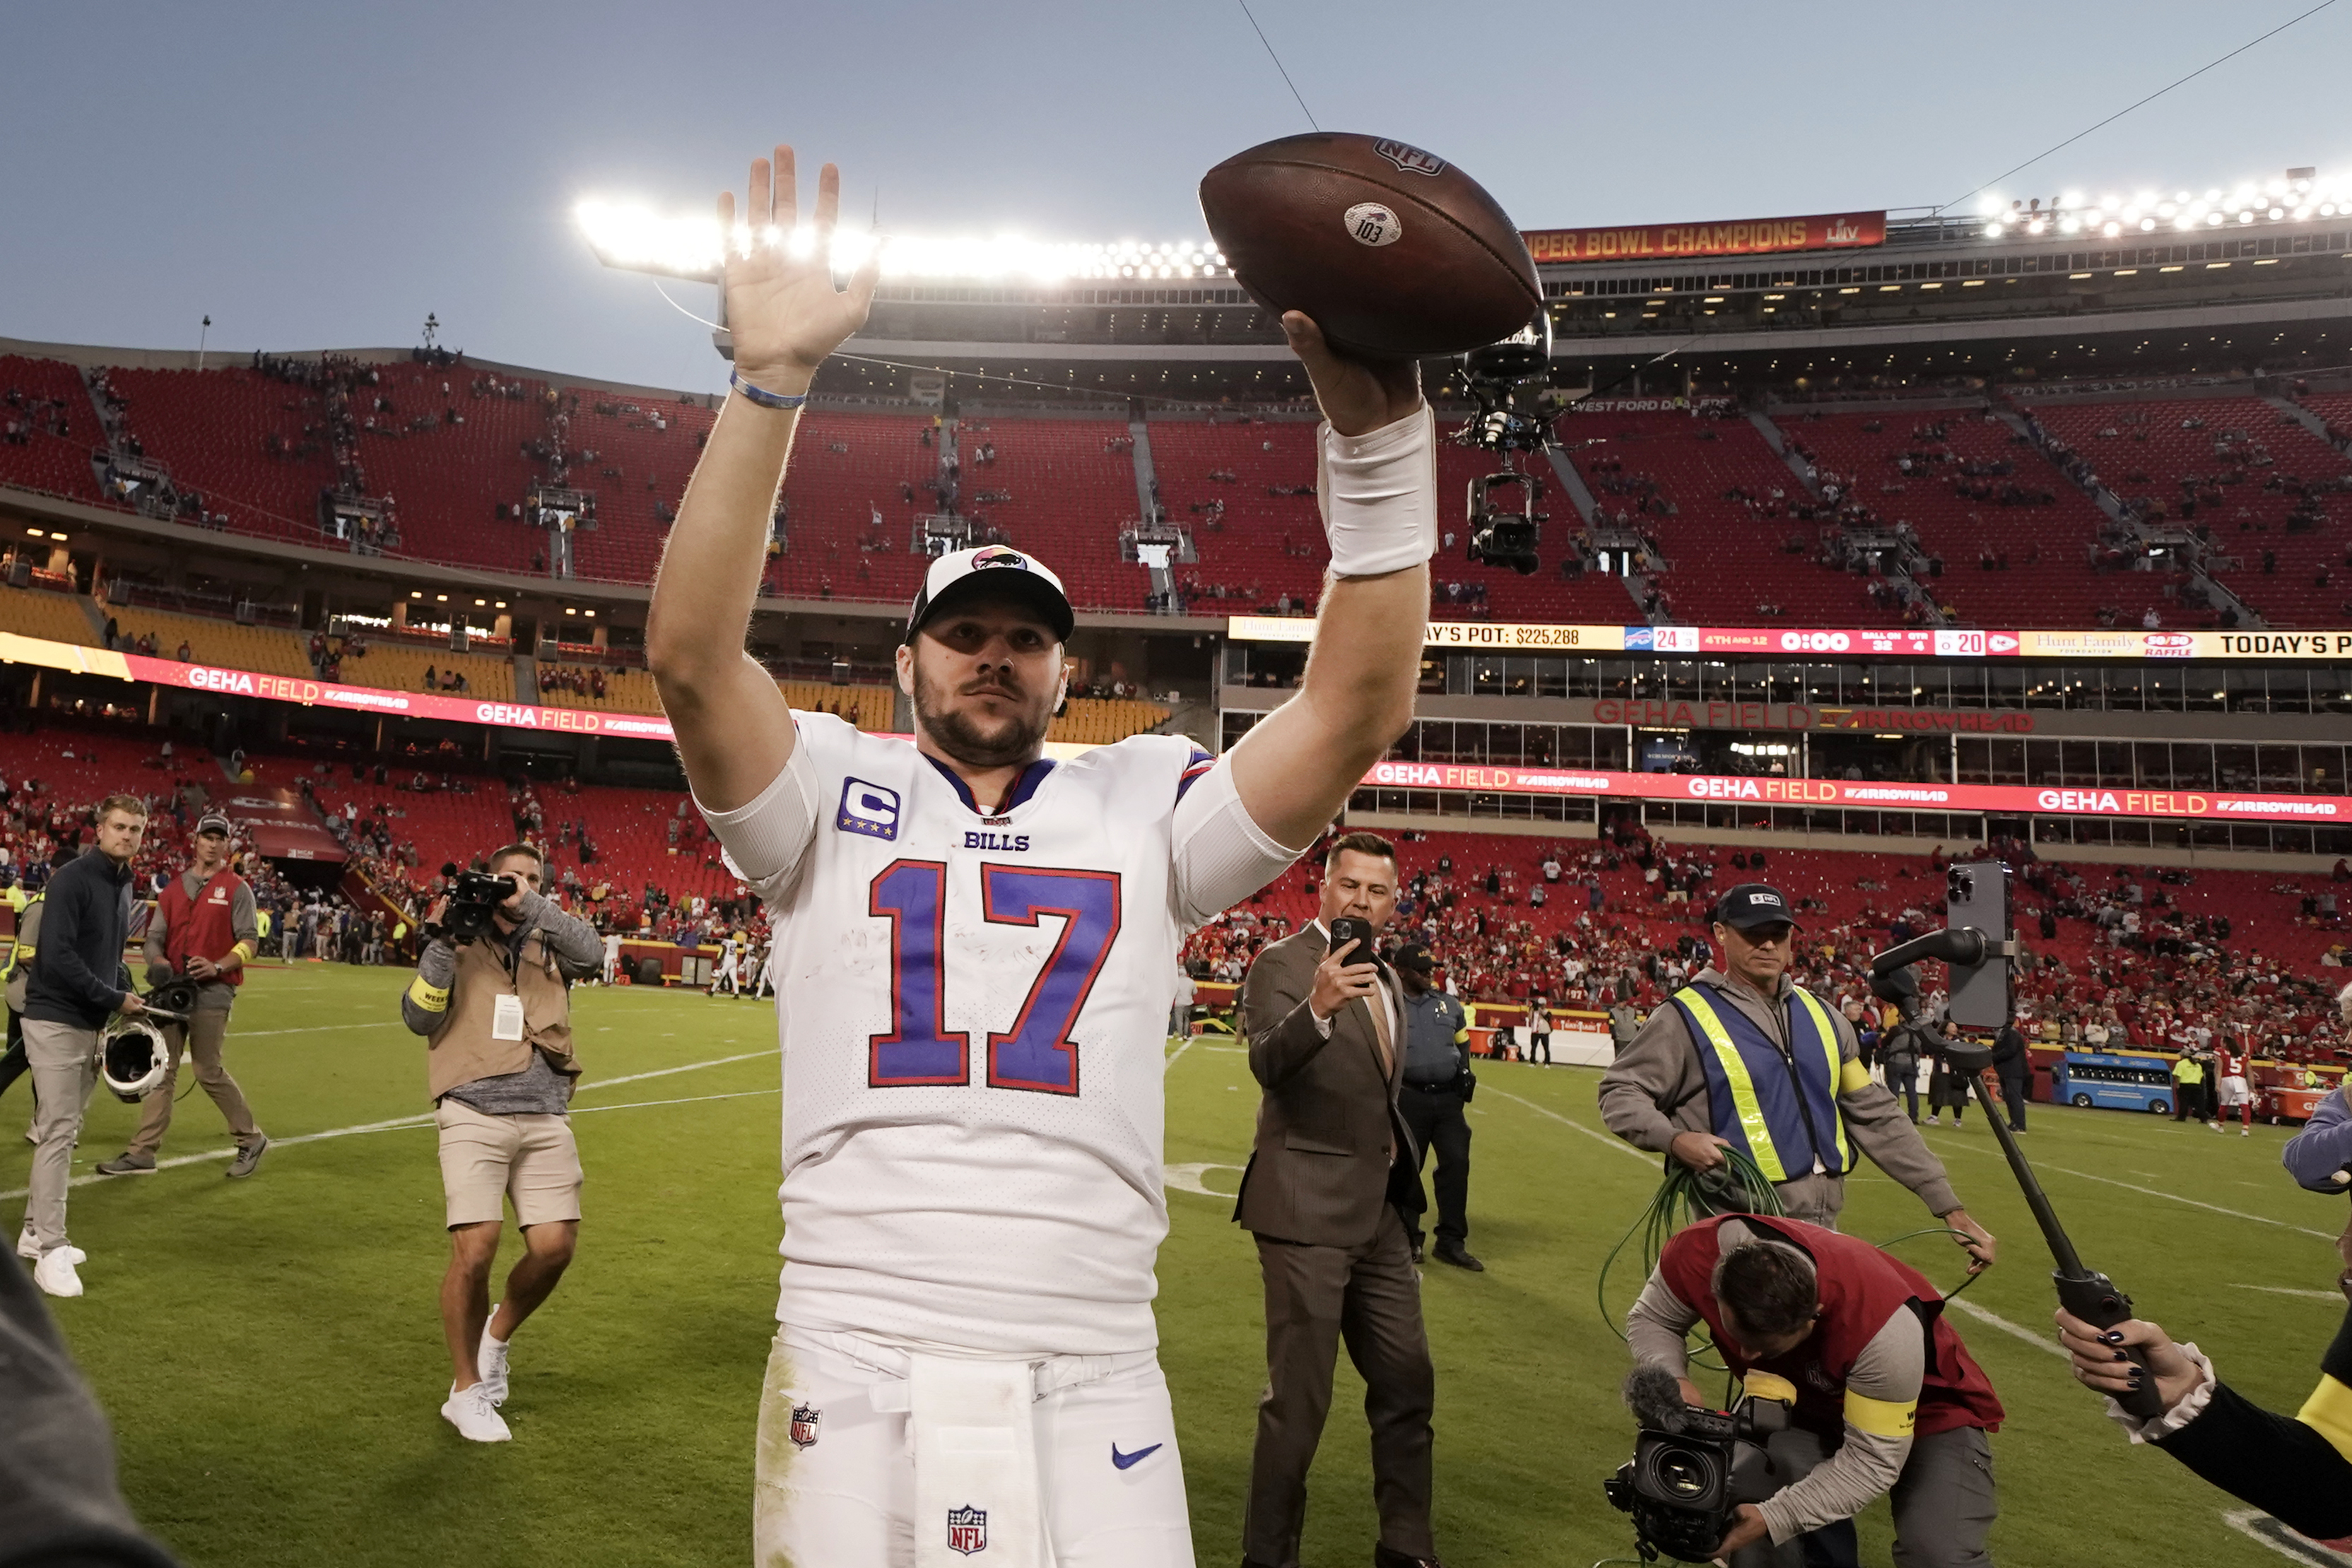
(803, 1427)
(966, 1529)
(1410, 160)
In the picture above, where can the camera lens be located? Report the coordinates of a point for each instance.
(1682, 1475)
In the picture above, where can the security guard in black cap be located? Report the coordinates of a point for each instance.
(1437, 1085)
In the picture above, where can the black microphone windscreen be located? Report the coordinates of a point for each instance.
(448, 868)
(1655, 1397)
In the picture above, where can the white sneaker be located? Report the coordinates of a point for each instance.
(2245, 1132)
(55, 1273)
(30, 1249)
(477, 1419)
(1933, 1123)
(490, 1361)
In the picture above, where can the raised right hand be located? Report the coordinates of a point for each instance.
(1357, 393)
(782, 309)
(1700, 1151)
(1338, 982)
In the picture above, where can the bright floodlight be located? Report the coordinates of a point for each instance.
(635, 238)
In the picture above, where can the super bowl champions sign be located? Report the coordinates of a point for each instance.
(1743, 236)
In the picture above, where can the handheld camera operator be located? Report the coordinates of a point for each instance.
(78, 982)
(1438, 1084)
(492, 997)
(1333, 1156)
(1887, 1398)
(204, 929)
(1745, 1059)
(2299, 1471)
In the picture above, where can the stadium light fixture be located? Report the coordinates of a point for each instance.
(633, 238)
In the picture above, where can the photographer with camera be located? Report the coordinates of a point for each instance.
(1744, 1058)
(1887, 1399)
(492, 997)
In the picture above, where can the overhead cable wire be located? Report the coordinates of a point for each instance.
(2151, 97)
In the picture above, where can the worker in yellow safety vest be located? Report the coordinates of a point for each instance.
(1744, 1058)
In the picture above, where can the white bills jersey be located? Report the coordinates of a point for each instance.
(973, 1008)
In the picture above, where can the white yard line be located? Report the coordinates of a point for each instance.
(1179, 1052)
(1609, 1138)
(2038, 1342)
(666, 1072)
(2281, 1540)
(1940, 1146)
(318, 1028)
(399, 1123)
(2291, 1290)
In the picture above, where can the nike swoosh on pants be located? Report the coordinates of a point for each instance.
(1125, 1461)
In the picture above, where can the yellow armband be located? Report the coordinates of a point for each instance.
(432, 999)
(2328, 1412)
(1853, 1077)
(1880, 1417)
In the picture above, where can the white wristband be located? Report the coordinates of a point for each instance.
(1378, 491)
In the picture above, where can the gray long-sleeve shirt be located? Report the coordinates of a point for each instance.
(244, 919)
(2324, 1148)
(538, 1089)
(1656, 1089)
(1891, 1368)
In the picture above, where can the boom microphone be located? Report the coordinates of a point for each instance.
(1655, 1397)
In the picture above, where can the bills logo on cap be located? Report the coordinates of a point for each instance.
(1410, 160)
(997, 554)
(867, 809)
(966, 1529)
(804, 1422)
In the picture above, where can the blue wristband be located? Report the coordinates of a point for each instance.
(761, 396)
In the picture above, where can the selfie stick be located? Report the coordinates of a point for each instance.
(2088, 1294)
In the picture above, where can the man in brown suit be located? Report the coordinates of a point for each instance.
(1325, 1043)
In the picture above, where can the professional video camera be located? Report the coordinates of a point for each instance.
(1978, 947)
(1693, 1468)
(474, 898)
(1505, 380)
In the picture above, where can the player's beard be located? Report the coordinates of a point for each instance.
(976, 742)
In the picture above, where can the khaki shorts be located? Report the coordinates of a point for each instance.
(530, 1160)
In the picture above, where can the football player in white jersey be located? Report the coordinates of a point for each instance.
(726, 973)
(974, 951)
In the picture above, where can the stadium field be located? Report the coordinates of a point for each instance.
(271, 1358)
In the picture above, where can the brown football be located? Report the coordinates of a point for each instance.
(1390, 249)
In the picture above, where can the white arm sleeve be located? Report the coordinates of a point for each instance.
(767, 839)
(1221, 855)
(1378, 491)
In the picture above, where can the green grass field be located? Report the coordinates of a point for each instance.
(270, 1355)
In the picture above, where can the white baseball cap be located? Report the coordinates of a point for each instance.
(1000, 568)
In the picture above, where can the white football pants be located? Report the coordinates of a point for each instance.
(836, 1460)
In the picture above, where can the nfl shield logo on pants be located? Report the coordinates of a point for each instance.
(966, 1529)
(803, 1429)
